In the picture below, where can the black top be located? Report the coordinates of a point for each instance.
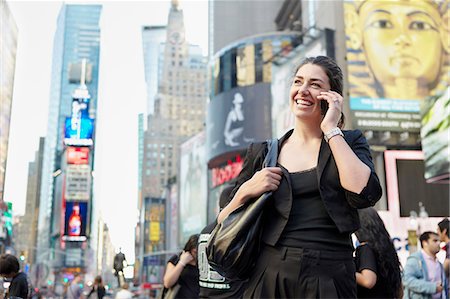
(365, 258)
(188, 280)
(19, 286)
(100, 290)
(341, 204)
(309, 225)
(212, 284)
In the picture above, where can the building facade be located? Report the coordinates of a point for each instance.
(75, 65)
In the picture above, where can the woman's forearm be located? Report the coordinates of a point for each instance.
(172, 274)
(353, 173)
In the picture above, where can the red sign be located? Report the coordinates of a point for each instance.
(77, 155)
(221, 175)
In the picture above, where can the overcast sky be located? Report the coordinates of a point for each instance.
(121, 98)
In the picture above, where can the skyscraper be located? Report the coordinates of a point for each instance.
(179, 113)
(179, 110)
(8, 48)
(153, 38)
(77, 38)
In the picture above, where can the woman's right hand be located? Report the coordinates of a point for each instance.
(186, 257)
(264, 180)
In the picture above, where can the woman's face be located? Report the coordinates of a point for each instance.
(402, 40)
(308, 82)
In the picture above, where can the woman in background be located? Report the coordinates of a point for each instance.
(98, 289)
(182, 269)
(378, 267)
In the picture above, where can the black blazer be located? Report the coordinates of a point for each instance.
(340, 203)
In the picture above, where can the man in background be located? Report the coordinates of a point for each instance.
(423, 275)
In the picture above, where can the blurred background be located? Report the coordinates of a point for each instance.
(122, 122)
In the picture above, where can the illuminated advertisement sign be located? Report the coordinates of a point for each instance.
(435, 134)
(223, 174)
(78, 182)
(75, 221)
(238, 117)
(193, 186)
(79, 128)
(77, 155)
(397, 55)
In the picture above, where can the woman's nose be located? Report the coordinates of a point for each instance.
(302, 89)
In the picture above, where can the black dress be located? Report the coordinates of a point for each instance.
(188, 280)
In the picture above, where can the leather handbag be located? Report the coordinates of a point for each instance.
(234, 244)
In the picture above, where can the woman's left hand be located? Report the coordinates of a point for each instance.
(333, 114)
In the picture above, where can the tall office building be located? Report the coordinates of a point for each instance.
(234, 19)
(179, 107)
(153, 38)
(28, 228)
(8, 48)
(75, 64)
(179, 113)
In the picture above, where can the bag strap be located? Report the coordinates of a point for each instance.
(271, 158)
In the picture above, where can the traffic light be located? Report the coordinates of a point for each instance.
(22, 255)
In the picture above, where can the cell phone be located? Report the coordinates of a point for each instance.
(324, 106)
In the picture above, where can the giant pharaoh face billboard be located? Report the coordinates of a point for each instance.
(398, 55)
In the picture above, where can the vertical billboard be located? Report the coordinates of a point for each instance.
(77, 155)
(79, 127)
(75, 221)
(193, 186)
(435, 134)
(238, 117)
(78, 182)
(397, 55)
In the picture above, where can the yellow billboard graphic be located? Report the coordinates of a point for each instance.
(397, 55)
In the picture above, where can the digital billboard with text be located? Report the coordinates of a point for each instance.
(77, 155)
(78, 182)
(397, 55)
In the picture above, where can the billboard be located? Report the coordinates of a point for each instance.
(435, 135)
(397, 55)
(238, 117)
(77, 155)
(193, 186)
(78, 182)
(75, 221)
(79, 128)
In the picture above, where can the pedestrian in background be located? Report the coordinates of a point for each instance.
(124, 293)
(75, 290)
(378, 267)
(212, 284)
(10, 271)
(443, 232)
(182, 270)
(424, 275)
(323, 176)
(98, 289)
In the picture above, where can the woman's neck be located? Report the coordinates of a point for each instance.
(306, 132)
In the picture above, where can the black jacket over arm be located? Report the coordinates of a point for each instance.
(340, 203)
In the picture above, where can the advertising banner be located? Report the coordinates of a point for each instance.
(435, 135)
(77, 155)
(75, 221)
(193, 186)
(238, 117)
(78, 182)
(397, 55)
(79, 128)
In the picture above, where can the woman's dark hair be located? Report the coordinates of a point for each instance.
(444, 225)
(191, 243)
(374, 233)
(9, 264)
(333, 72)
(98, 279)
